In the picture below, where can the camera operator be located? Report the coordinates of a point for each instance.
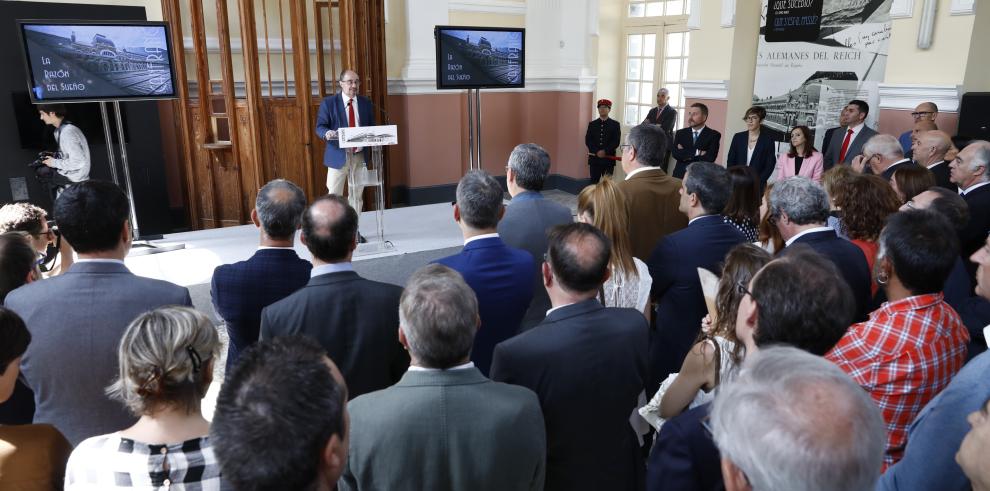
(72, 159)
(32, 220)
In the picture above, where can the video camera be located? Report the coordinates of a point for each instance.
(40, 161)
(48, 175)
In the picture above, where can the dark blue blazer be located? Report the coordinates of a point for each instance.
(974, 235)
(332, 116)
(587, 365)
(764, 156)
(502, 278)
(972, 309)
(708, 141)
(677, 290)
(241, 290)
(685, 456)
(849, 260)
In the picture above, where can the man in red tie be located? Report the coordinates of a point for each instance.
(847, 141)
(345, 109)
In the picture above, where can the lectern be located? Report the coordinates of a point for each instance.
(375, 137)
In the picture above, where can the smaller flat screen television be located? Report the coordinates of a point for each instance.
(480, 57)
(70, 61)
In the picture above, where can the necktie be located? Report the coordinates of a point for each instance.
(845, 146)
(350, 113)
(695, 140)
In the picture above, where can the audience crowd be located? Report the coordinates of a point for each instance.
(809, 321)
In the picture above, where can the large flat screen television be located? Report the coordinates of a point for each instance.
(69, 61)
(480, 57)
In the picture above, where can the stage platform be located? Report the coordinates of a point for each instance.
(410, 230)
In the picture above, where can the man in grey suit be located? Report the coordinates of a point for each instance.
(847, 141)
(529, 216)
(78, 318)
(444, 426)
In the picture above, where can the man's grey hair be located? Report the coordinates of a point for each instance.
(280, 205)
(479, 197)
(981, 156)
(711, 183)
(438, 314)
(885, 145)
(803, 200)
(650, 144)
(663, 90)
(793, 420)
(531, 164)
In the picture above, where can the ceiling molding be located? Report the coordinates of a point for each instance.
(963, 7)
(489, 7)
(706, 89)
(902, 9)
(907, 96)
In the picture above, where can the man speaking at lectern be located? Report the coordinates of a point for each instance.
(343, 110)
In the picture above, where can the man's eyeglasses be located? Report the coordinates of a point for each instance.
(624, 146)
(751, 119)
(919, 114)
(351, 82)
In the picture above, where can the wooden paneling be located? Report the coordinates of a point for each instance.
(287, 157)
(269, 137)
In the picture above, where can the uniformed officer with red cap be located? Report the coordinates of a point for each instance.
(602, 140)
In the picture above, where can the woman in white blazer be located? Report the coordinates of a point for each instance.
(802, 160)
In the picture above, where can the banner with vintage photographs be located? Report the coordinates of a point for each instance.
(814, 56)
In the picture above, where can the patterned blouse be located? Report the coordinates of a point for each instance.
(745, 227)
(111, 462)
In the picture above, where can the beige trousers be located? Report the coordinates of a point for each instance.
(336, 178)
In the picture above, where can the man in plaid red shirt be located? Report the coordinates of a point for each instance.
(912, 346)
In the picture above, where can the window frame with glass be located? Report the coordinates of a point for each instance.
(650, 52)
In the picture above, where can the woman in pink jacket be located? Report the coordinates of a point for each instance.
(803, 160)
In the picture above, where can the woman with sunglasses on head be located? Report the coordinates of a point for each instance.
(166, 366)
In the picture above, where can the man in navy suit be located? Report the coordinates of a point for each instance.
(774, 311)
(339, 111)
(971, 172)
(501, 276)
(799, 207)
(697, 142)
(587, 365)
(675, 261)
(241, 290)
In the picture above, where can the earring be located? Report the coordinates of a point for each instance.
(882, 277)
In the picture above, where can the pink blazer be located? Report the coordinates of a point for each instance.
(812, 167)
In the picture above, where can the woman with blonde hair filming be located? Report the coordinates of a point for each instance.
(166, 364)
(604, 206)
